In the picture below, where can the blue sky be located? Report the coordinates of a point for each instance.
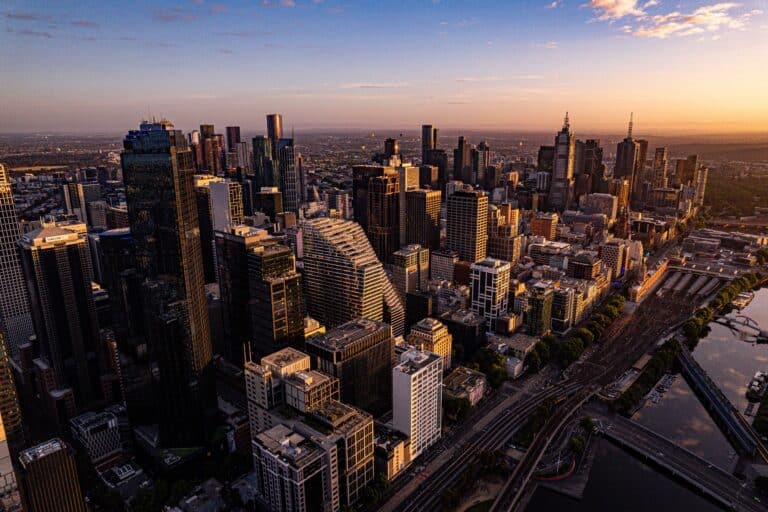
(99, 66)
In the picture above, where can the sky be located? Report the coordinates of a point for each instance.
(95, 66)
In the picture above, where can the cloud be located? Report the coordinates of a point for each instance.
(243, 33)
(32, 33)
(548, 45)
(85, 24)
(374, 85)
(473, 79)
(706, 19)
(26, 16)
(278, 3)
(173, 15)
(614, 9)
(219, 9)
(650, 3)
(225, 51)
(554, 4)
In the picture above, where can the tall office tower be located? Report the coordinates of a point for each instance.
(159, 179)
(561, 188)
(343, 277)
(428, 140)
(593, 156)
(563, 310)
(433, 336)
(685, 170)
(289, 163)
(620, 189)
(422, 224)
(545, 224)
(269, 201)
(578, 158)
(78, 196)
(429, 177)
(277, 302)
(410, 269)
(462, 161)
(233, 137)
(391, 148)
(439, 158)
(274, 132)
(11, 431)
(264, 166)
(408, 180)
(417, 394)
(244, 157)
(504, 241)
(490, 288)
(205, 210)
(538, 311)
(467, 227)
(546, 159)
(481, 160)
(226, 204)
(383, 214)
(212, 150)
(232, 249)
(627, 155)
(15, 317)
(360, 353)
(49, 480)
(57, 266)
(659, 176)
(700, 186)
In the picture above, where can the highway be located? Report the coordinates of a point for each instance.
(709, 479)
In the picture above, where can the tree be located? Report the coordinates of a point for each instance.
(585, 335)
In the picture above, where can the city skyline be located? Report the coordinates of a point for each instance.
(512, 66)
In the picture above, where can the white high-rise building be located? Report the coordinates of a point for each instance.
(490, 287)
(344, 278)
(226, 204)
(417, 394)
(15, 316)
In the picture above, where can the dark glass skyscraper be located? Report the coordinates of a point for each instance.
(49, 478)
(428, 140)
(462, 161)
(233, 137)
(274, 131)
(159, 178)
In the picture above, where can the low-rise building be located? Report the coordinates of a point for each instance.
(465, 383)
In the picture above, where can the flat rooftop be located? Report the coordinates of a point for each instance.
(41, 450)
(340, 337)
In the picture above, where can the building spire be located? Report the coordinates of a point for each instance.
(629, 131)
(566, 122)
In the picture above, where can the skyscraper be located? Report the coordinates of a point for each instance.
(391, 148)
(410, 269)
(462, 161)
(561, 187)
(274, 132)
(11, 431)
(49, 478)
(489, 280)
(159, 179)
(659, 176)
(417, 393)
(264, 165)
(428, 140)
(343, 277)
(15, 317)
(233, 137)
(408, 180)
(360, 353)
(538, 311)
(376, 204)
(422, 223)
(438, 158)
(467, 226)
(289, 163)
(57, 265)
(627, 156)
(504, 242)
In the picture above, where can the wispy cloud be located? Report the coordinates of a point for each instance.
(614, 9)
(219, 9)
(547, 45)
(32, 33)
(85, 24)
(375, 85)
(173, 15)
(278, 3)
(705, 19)
(474, 79)
(26, 16)
(554, 4)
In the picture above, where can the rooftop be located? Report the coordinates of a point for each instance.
(41, 450)
(414, 360)
(348, 333)
(283, 358)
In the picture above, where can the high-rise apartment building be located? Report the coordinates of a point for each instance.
(49, 480)
(77, 198)
(538, 312)
(432, 336)
(489, 280)
(233, 137)
(442, 263)
(57, 265)
(467, 224)
(343, 277)
(659, 176)
(15, 317)
(422, 223)
(410, 269)
(417, 393)
(504, 241)
(360, 353)
(562, 186)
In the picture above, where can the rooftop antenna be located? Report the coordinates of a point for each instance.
(566, 122)
(629, 132)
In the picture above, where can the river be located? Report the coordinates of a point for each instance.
(618, 481)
